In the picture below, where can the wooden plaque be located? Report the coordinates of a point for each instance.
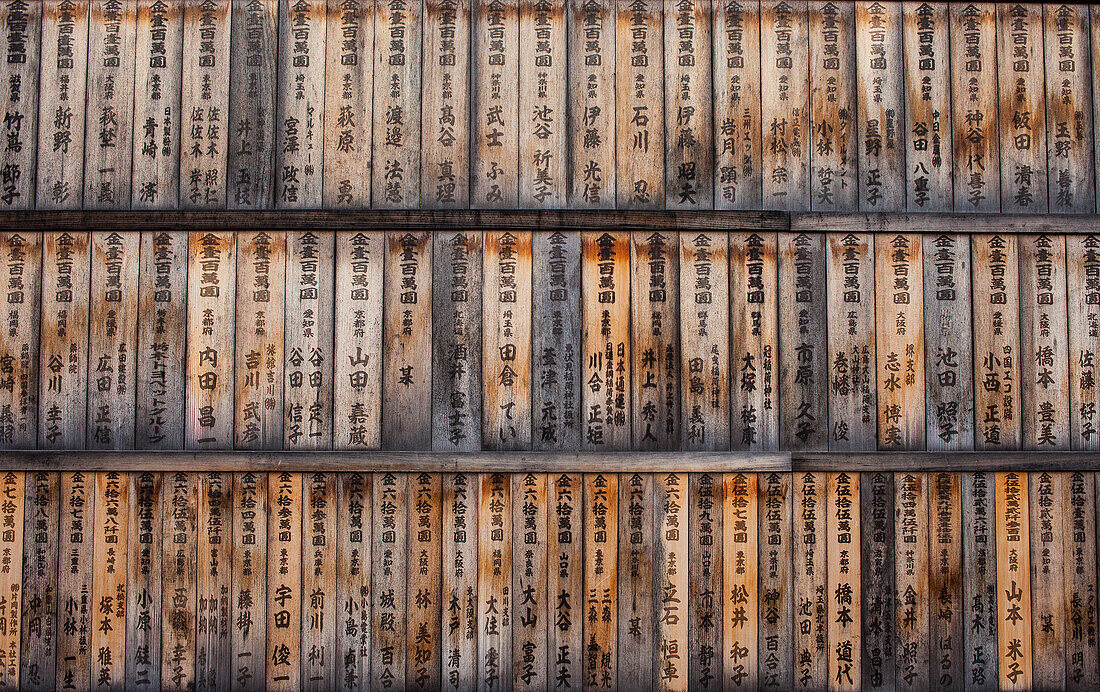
(179, 570)
(996, 341)
(590, 127)
(638, 665)
(494, 105)
(396, 126)
(556, 413)
(844, 580)
(811, 598)
(785, 110)
(912, 600)
(21, 274)
(1070, 155)
(445, 106)
(357, 376)
(877, 572)
(927, 124)
(494, 581)
(1044, 359)
(980, 583)
(107, 609)
(1014, 635)
(1023, 109)
(880, 93)
(542, 97)
(655, 340)
(406, 341)
(705, 341)
(974, 101)
(833, 106)
(300, 123)
(950, 616)
(706, 608)
(1083, 290)
(319, 581)
(40, 616)
(349, 73)
(204, 135)
(754, 342)
(1079, 536)
(108, 152)
(22, 47)
(284, 581)
(689, 128)
(740, 656)
(640, 126)
(565, 582)
(214, 583)
(13, 488)
(459, 599)
(63, 359)
(899, 327)
(605, 285)
(775, 648)
(1048, 579)
(354, 503)
(248, 603)
(211, 302)
(670, 573)
(388, 586)
(736, 74)
(506, 345)
(803, 347)
(76, 611)
(530, 562)
(252, 86)
(423, 641)
(601, 569)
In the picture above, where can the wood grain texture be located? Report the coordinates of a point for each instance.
(670, 573)
(252, 87)
(590, 127)
(899, 332)
(21, 273)
(396, 125)
(689, 93)
(459, 600)
(1083, 291)
(974, 101)
(785, 110)
(248, 602)
(949, 619)
(445, 107)
(741, 592)
(929, 140)
(605, 311)
(736, 75)
(566, 581)
(844, 580)
(556, 341)
(948, 346)
(204, 137)
(543, 93)
(1070, 165)
(811, 597)
(284, 581)
(638, 590)
(530, 561)
(13, 488)
(912, 604)
(494, 581)
(1079, 536)
(354, 525)
(1022, 106)
(388, 585)
(754, 341)
(833, 106)
(877, 571)
(40, 616)
(423, 641)
(601, 578)
(158, 91)
(640, 131)
(22, 47)
(1014, 610)
(211, 300)
(506, 341)
(880, 94)
(706, 566)
(1044, 358)
(349, 98)
(494, 104)
(803, 348)
(108, 149)
(214, 581)
(1048, 613)
(705, 334)
(319, 581)
(995, 272)
(776, 624)
(300, 123)
(655, 340)
(357, 370)
(179, 572)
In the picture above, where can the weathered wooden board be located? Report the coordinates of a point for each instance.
(179, 569)
(899, 331)
(40, 616)
(1014, 635)
(670, 574)
(605, 311)
(1083, 291)
(259, 339)
(844, 580)
(388, 587)
(308, 340)
(494, 105)
(833, 106)
(912, 600)
(284, 603)
(349, 96)
(852, 359)
(996, 303)
(354, 545)
(803, 343)
(928, 140)
(506, 341)
(63, 369)
(143, 611)
(1070, 155)
(108, 148)
(948, 348)
(811, 606)
(1079, 546)
(741, 604)
(12, 511)
(542, 97)
(112, 340)
(1044, 360)
(877, 572)
(530, 562)
(396, 125)
(980, 590)
(775, 648)
(704, 341)
(319, 581)
(705, 513)
(1048, 611)
(22, 48)
(556, 341)
(785, 110)
(494, 581)
(75, 610)
(423, 642)
(1023, 110)
(248, 602)
(457, 342)
(162, 339)
(357, 371)
(736, 75)
(406, 340)
(948, 619)
(213, 586)
(211, 299)
(459, 600)
(880, 93)
(590, 127)
(204, 134)
(601, 569)
(754, 342)
(639, 104)
(638, 588)
(445, 106)
(107, 612)
(655, 340)
(565, 581)
(21, 274)
(974, 97)
(300, 123)
(689, 129)
(254, 43)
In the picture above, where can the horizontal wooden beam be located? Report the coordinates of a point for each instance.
(945, 223)
(945, 461)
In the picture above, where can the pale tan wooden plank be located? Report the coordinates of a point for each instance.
(494, 104)
(655, 340)
(833, 106)
(254, 44)
(248, 603)
(741, 603)
(21, 275)
(880, 93)
(785, 111)
(878, 655)
(637, 587)
(63, 373)
(844, 578)
(640, 126)
(445, 107)
(1079, 536)
(285, 599)
(300, 123)
(1083, 291)
(1014, 636)
(22, 47)
(1023, 109)
(204, 135)
(406, 341)
(810, 568)
(506, 341)
(950, 616)
(459, 600)
(530, 562)
(542, 98)
(41, 539)
(354, 504)
(736, 75)
(566, 582)
(12, 511)
(670, 574)
(211, 301)
(1070, 156)
(705, 346)
(396, 125)
(912, 600)
(590, 128)
(948, 344)
(974, 97)
(754, 341)
(1049, 595)
(388, 585)
(803, 343)
(158, 91)
(349, 98)
(996, 341)
(319, 579)
(927, 123)
(424, 650)
(601, 569)
(1044, 355)
(179, 570)
(605, 286)
(143, 582)
(494, 581)
(214, 583)
(689, 92)
(776, 594)
(980, 583)
(899, 308)
(556, 341)
(75, 608)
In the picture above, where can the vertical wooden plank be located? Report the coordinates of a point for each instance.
(300, 123)
(948, 349)
(565, 581)
(1013, 581)
(319, 575)
(542, 98)
(21, 275)
(204, 138)
(670, 573)
(308, 340)
(741, 595)
(928, 147)
(636, 532)
(776, 591)
(785, 113)
(601, 570)
(996, 341)
(506, 346)
(556, 341)
(1083, 290)
(1022, 101)
(424, 646)
(705, 360)
(912, 600)
(62, 388)
(258, 345)
(1070, 156)
(689, 129)
(109, 579)
(899, 279)
(457, 342)
(158, 89)
(880, 93)
(162, 339)
(357, 376)
(655, 340)
(396, 133)
(12, 511)
(1079, 536)
(605, 283)
(252, 86)
(113, 336)
(388, 567)
(494, 581)
(494, 105)
(754, 341)
(211, 301)
(810, 565)
(41, 539)
(445, 108)
(833, 170)
(349, 74)
(803, 345)
(877, 571)
(640, 127)
(948, 619)
(736, 74)
(1049, 597)
(248, 647)
(214, 583)
(179, 570)
(845, 612)
(63, 87)
(851, 297)
(590, 128)
(1044, 357)
(459, 599)
(284, 581)
(406, 338)
(530, 655)
(108, 152)
(23, 49)
(974, 107)
(980, 589)
(353, 580)
(705, 569)
(75, 606)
